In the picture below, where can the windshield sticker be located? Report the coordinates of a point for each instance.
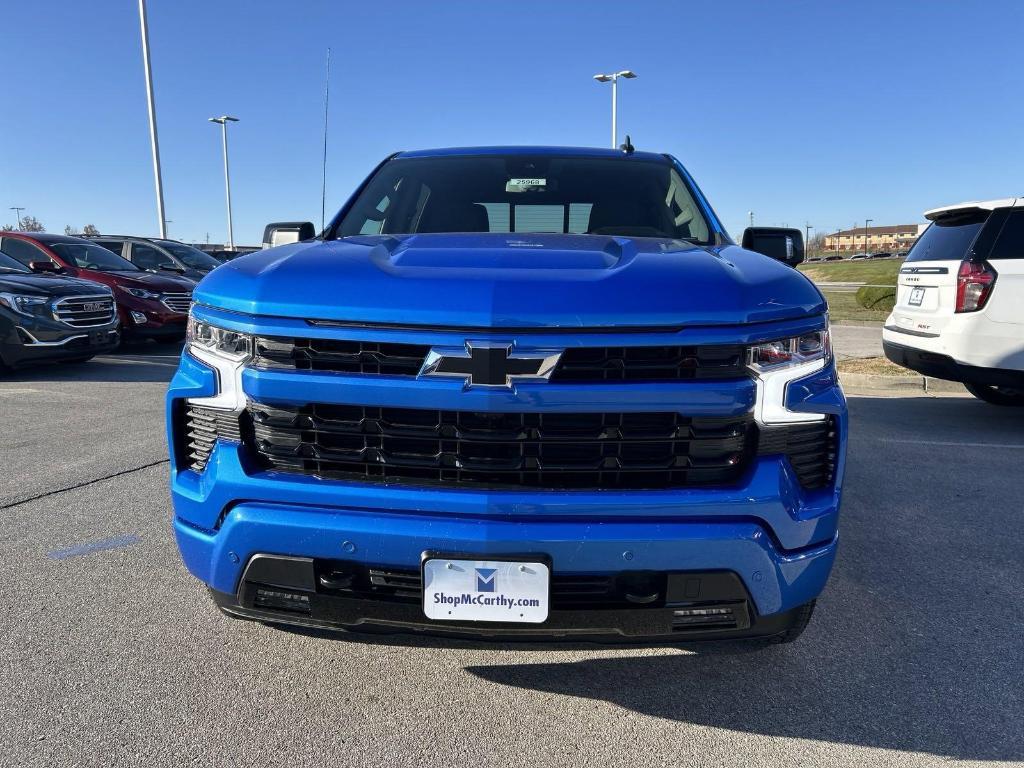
(525, 185)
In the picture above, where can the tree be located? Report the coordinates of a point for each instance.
(31, 224)
(89, 230)
(69, 230)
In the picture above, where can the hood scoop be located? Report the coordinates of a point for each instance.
(500, 252)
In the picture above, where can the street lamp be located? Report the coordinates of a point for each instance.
(751, 215)
(223, 120)
(17, 212)
(866, 222)
(613, 78)
(151, 104)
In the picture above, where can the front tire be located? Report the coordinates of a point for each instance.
(997, 395)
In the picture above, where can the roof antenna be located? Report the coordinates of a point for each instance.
(627, 146)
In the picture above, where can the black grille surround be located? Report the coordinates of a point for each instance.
(552, 451)
(502, 450)
(578, 364)
(811, 447)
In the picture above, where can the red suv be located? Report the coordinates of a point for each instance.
(149, 305)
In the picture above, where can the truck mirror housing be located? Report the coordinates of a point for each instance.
(284, 232)
(776, 242)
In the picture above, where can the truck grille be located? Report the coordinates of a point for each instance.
(537, 450)
(663, 363)
(578, 364)
(177, 302)
(202, 428)
(85, 311)
(811, 449)
(341, 356)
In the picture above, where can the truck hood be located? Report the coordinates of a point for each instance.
(512, 281)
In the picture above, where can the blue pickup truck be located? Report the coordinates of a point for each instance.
(513, 392)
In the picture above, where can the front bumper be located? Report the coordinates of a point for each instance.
(34, 340)
(777, 538)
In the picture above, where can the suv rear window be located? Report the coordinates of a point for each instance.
(948, 238)
(1010, 244)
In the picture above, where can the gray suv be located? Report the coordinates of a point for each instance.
(156, 255)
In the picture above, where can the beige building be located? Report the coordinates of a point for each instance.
(896, 237)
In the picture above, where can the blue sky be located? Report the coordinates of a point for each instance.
(824, 113)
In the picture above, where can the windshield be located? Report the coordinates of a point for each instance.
(522, 193)
(7, 264)
(91, 256)
(189, 256)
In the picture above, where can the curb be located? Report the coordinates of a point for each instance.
(900, 384)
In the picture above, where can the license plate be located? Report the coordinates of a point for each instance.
(94, 306)
(485, 590)
(916, 297)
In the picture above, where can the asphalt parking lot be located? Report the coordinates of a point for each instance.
(113, 654)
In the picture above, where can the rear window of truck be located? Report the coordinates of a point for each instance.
(949, 238)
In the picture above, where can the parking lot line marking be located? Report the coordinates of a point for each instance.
(952, 443)
(19, 391)
(117, 542)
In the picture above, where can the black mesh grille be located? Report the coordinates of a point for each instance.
(650, 363)
(340, 356)
(202, 428)
(539, 450)
(658, 363)
(810, 448)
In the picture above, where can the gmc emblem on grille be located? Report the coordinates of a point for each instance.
(489, 364)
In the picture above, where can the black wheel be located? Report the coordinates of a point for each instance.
(800, 622)
(997, 395)
(77, 360)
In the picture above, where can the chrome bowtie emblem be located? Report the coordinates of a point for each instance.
(488, 364)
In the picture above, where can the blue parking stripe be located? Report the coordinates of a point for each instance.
(116, 542)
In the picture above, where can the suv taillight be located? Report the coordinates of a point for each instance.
(974, 285)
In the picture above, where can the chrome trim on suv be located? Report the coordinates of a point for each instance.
(177, 302)
(89, 311)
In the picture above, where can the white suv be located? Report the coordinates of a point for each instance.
(959, 311)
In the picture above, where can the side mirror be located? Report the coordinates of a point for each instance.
(168, 266)
(284, 232)
(43, 265)
(782, 244)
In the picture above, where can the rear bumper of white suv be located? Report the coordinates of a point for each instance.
(969, 340)
(940, 366)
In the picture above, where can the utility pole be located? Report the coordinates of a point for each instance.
(327, 101)
(807, 236)
(613, 78)
(17, 210)
(866, 222)
(223, 120)
(751, 215)
(153, 140)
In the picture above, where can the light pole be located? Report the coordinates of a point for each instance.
(807, 237)
(751, 215)
(151, 103)
(866, 222)
(17, 212)
(613, 78)
(224, 120)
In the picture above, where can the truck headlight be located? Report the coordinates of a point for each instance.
(786, 353)
(776, 363)
(228, 345)
(22, 304)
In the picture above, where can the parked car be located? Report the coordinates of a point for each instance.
(157, 255)
(47, 317)
(858, 256)
(880, 255)
(223, 255)
(834, 257)
(959, 311)
(549, 398)
(150, 306)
